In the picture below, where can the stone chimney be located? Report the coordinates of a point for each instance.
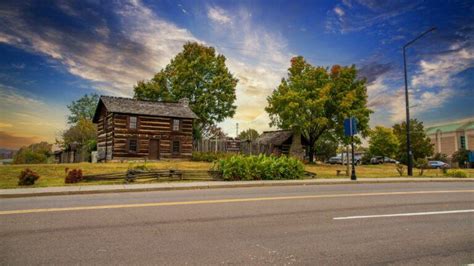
(296, 148)
(184, 101)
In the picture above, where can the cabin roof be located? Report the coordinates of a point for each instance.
(139, 107)
(277, 137)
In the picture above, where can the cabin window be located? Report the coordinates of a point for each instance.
(132, 145)
(463, 142)
(132, 122)
(175, 124)
(176, 147)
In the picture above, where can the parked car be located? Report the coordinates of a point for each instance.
(381, 159)
(340, 159)
(438, 165)
(335, 160)
(358, 159)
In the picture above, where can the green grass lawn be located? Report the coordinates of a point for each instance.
(368, 171)
(54, 174)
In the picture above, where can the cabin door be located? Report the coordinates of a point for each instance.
(154, 149)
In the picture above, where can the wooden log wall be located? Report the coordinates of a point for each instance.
(105, 136)
(149, 128)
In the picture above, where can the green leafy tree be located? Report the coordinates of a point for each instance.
(249, 134)
(461, 157)
(83, 134)
(383, 142)
(83, 108)
(326, 147)
(421, 145)
(440, 157)
(314, 101)
(199, 74)
(33, 154)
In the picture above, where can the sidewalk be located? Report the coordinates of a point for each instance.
(71, 190)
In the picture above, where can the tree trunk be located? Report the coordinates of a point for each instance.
(311, 153)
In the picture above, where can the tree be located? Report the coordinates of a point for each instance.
(249, 134)
(440, 157)
(215, 132)
(199, 74)
(383, 142)
(83, 134)
(314, 101)
(421, 145)
(83, 108)
(461, 157)
(326, 147)
(34, 153)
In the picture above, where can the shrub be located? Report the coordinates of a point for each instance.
(199, 156)
(421, 164)
(400, 169)
(27, 177)
(33, 154)
(130, 176)
(74, 176)
(456, 173)
(261, 167)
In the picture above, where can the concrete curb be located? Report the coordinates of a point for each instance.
(78, 190)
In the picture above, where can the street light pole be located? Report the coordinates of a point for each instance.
(407, 107)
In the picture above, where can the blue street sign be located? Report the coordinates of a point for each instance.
(350, 126)
(471, 156)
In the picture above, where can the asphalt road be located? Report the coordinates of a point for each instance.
(427, 223)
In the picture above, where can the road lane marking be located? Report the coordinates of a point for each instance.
(402, 214)
(235, 200)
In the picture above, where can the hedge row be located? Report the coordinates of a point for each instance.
(261, 167)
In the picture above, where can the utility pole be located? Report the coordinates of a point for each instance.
(236, 130)
(407, 107)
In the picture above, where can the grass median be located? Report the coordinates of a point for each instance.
(54, 174)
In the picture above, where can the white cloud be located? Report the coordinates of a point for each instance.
(146, 44)
(442, 68)
(218, 15)
(431, 87)
(389, 102)
(142, 43)
(339, 11)
(259, 59)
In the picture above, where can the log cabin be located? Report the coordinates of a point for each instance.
(130, 129)
(283, 142)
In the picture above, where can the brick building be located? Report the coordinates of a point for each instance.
(449, 138)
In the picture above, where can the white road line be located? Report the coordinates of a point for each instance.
(402, 214)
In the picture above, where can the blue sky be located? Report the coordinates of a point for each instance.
(52, 52)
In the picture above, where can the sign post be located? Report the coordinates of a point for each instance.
(350, 129)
